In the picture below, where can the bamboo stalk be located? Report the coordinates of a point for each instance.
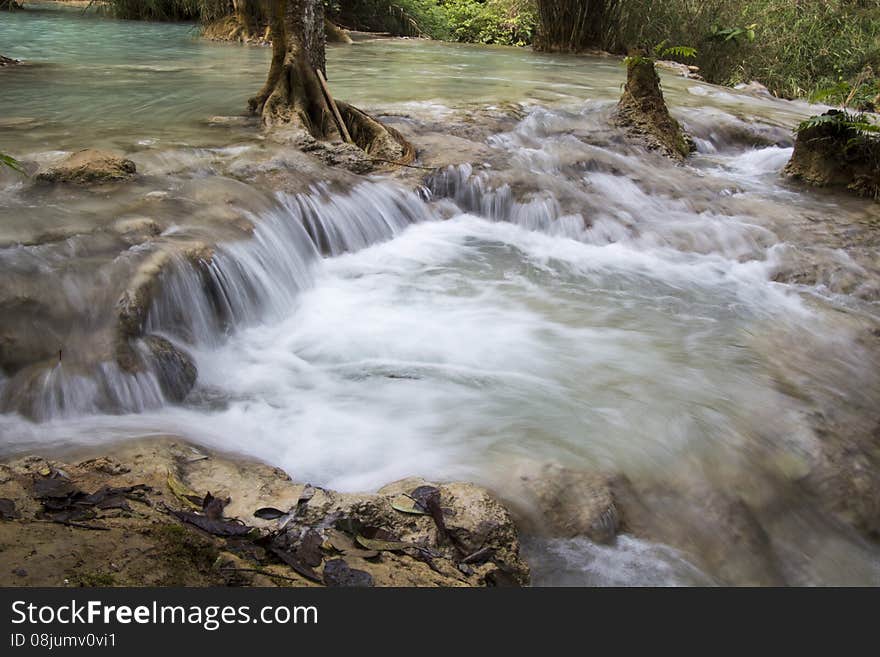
(343, 130)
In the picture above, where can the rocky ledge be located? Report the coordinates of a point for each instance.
(163, 512)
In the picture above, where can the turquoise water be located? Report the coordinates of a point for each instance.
(96, 81)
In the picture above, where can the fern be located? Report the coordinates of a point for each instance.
(843, 121)
(684, 52)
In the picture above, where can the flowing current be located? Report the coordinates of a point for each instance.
(550, 294)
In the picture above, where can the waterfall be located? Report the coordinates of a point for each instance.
(241, 283)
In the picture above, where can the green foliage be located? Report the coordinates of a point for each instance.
(862, 94)
(844, 122)
(507, 22)
(12, 163)
(662, 51)
(398, 17)
(794, 48)
(732, 33)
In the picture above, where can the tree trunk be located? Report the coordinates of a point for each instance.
(292, 95)
(642, 111)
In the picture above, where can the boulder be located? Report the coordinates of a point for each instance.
(642, 112)
(89, 166)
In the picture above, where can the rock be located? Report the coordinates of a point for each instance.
(642, 112)
(714, 528)
(152, 547)
(7, 61)
(684, 70)
(105, 465)
(754, 88)
(845, 479)
(831, 154)
(134, 303)
(560, 502)
(90, 166)
(136, 230)
(173, 367)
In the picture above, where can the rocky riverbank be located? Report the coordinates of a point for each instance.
(162, 512)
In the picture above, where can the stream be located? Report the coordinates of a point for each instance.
(709, 331)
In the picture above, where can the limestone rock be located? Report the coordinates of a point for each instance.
(567, 503)
(90, 166)
(149, 546)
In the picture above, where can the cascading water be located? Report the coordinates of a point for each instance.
(564, 297)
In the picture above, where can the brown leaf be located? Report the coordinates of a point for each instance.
(338, 573)
(216, 527)
(54, 488)
(303, 569)
(383, 545)
(309, 550)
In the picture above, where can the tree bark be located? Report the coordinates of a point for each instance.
(293, 96)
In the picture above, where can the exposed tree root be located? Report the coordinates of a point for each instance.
(293, 97)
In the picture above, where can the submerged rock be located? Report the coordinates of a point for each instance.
(845, 478)
(566, 503)
(135, 302)
(831, 153)
(90, 166)
(173, 367)
(642, 112)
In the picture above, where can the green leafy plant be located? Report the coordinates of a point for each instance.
(661, 51)
(859, 124)
(12, 163)
(861, 94)
(734, 34)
